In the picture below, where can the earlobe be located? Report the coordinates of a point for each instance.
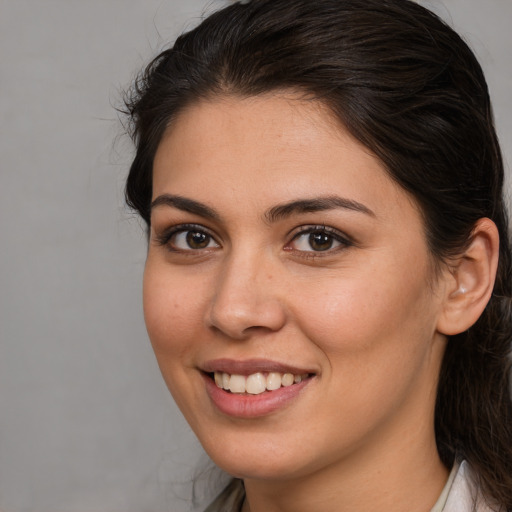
(471, 280)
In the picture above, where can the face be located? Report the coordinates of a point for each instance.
(287, 267)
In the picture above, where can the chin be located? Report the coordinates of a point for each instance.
(262, 457)
(260, 468)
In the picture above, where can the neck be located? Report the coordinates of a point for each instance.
(407, 476)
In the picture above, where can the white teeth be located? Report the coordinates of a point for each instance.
(237, 384)
(273, 381)
(256, 383)
(287, 379)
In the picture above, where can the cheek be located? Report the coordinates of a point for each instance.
(375, 340)
(172, 312)
(362, 313)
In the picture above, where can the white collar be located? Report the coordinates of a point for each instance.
(461, 494)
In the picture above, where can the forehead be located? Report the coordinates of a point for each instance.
(268, 149)
(281, 120)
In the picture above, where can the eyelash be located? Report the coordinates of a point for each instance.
(335, 235)
(165, 239)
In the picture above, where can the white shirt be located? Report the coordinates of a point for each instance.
(460, 493)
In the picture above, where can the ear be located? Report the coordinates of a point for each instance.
(470, 281)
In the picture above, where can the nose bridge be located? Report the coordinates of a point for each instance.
(245, 298)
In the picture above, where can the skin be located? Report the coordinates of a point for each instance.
(363, 315)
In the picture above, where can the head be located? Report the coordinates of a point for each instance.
(403, 83)
(404, 86)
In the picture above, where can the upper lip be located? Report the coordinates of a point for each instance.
(249, 366)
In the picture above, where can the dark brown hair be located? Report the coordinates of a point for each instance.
(407, 87)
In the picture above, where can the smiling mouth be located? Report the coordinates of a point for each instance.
(256, 383)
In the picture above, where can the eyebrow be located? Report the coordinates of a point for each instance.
(316, 204)
(274, 214)
(186, 205)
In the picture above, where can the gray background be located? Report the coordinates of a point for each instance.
(86, 423)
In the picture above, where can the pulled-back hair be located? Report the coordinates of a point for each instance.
(407, 87)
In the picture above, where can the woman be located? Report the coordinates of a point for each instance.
(328, 281)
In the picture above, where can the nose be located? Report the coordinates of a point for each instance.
(246, 298)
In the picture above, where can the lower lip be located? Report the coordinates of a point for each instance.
(252, 406)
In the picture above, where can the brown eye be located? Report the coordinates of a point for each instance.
(190, 240)
(197, 239)
(320, 241)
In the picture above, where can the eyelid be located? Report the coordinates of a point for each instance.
(344, 240)
(164, 238)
